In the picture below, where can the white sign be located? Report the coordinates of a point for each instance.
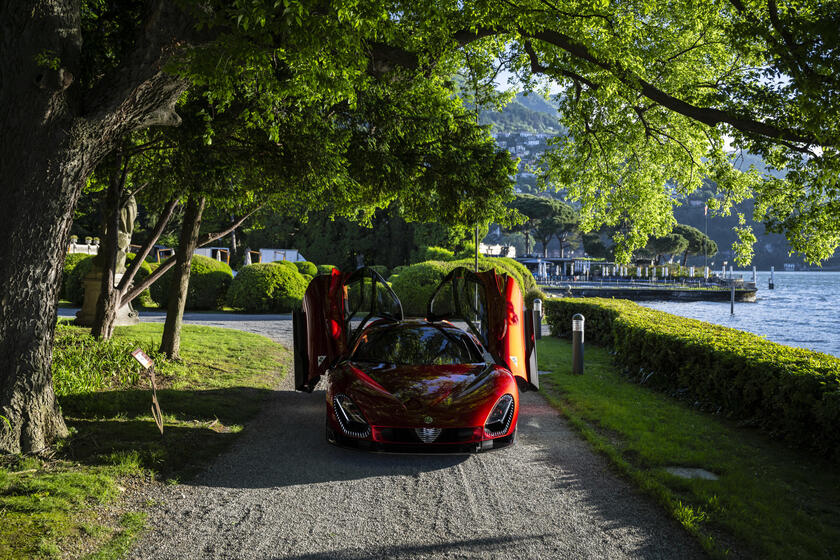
(141, 357)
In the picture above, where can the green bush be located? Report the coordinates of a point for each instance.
(414, 285)
(209, 282)
(790, 392)
(76, 266)
(267, 288)
(397, 269)
(145, 298)
(306, 267)
(434, 254)
(325, 268)
(531, 295)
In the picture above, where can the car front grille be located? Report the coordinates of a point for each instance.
(413, 435)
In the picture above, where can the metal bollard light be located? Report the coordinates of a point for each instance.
(577, 344)
(537, 305)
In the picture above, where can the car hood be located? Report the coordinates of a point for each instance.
(431, 386)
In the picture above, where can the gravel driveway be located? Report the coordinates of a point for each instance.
(283, 492)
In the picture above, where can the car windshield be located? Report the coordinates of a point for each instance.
(421, 344)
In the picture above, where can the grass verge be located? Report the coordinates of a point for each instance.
(70, 504)
(770, 501)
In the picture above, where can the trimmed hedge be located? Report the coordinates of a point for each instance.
(306, 267)
(267, 288)
(325, 268)
(790, 392)
(209, 282)
(435, 254)
(415, 284)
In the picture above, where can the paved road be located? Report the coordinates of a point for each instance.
(283, 492)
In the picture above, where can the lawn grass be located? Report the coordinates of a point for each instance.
(770, 501)
(70, 504)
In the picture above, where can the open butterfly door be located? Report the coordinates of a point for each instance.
(336, 308)
(492, 307)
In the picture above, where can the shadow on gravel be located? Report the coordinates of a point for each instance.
(497, 546)
(115, 428)
(286, 446)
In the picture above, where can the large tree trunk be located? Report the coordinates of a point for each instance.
(37, 198)
(171, 342)
(52, 134)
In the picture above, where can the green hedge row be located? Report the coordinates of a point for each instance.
(790, 392)
(415, 284)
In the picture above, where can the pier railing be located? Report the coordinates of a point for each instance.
(647, 283)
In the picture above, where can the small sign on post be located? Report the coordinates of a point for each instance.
(149, 365)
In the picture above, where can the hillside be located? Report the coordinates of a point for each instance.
(526, 113)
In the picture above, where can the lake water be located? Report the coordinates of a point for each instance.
(803, 310)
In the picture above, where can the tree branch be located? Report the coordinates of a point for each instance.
(170, 262)
(708, 116)
(137, 263)
(538, 68)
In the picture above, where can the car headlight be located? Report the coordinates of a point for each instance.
(499, 419)
(350, 417)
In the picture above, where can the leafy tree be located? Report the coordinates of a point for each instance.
(562, 224)
(651, 92)
(698, 242)
(669, 244)
(534, 209)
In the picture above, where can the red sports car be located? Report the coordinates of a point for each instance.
(396, 384)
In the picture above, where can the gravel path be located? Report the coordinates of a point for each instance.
(283, 492)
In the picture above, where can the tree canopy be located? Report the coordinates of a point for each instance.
(653, 92)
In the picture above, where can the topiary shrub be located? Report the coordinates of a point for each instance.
(306, 267)
(325, 268)
(397, 269)
(76, 266)
(209, 282)
(434, 254)
(267, 288)
(415, 284)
